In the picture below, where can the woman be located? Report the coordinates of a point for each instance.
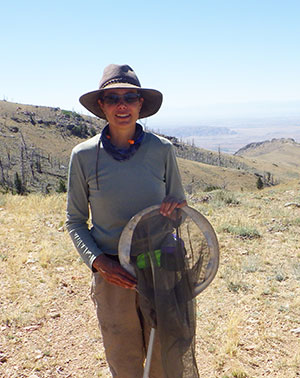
(113, 176)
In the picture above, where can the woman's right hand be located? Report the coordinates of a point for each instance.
(113, 272)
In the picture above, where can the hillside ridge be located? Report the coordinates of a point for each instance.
(36, 142)
(267, 145)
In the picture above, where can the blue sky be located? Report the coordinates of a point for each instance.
(212, 58)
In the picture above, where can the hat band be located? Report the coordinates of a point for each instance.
(119, 80)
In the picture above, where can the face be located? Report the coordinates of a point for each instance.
(122, 113)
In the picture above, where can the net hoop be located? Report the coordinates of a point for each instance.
(202, 223)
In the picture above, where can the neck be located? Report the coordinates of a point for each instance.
(121, 137)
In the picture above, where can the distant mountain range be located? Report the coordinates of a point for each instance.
(229, 135)
(188, 131)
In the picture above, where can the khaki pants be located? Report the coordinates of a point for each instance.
(125, 334)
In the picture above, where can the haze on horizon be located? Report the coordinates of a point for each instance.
(211, 60)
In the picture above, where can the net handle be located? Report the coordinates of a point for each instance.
(203, 224)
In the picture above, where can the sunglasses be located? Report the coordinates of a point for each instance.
(114, 99)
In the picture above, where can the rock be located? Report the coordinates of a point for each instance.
(14, 129)
(3, 358)
(54, 315)
(296, 330)
(32, 328)
(294, 204)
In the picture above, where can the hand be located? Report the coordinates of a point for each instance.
(169, 204)
(113, 272)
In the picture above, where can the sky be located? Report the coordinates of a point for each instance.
(209, 58)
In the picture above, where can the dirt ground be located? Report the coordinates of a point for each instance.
(248, 319)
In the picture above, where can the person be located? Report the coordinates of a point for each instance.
(113, 176)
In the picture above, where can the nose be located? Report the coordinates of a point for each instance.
(122, 102)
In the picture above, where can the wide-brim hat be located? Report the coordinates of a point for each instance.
(120, 77)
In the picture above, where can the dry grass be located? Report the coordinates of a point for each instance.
(196, 176)
(246, 319)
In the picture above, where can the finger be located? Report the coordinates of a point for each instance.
(123, 272)
(165, 206)
(114, 273)
(170, 203)
(130, 280)
(114, 268)
(121, 282)
(119, 278)
(163, 209)
(168, 207)
(181, 204)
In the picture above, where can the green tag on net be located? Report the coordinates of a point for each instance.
(143, 259)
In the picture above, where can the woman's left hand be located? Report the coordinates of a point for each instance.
(169, 204)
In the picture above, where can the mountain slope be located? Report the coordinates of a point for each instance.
(36, 142)
(280, 156)
(199, 176)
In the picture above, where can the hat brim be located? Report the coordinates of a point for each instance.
(151, 105)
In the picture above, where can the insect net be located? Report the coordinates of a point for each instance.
(171, 258)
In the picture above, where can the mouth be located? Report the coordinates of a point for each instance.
(123, 116)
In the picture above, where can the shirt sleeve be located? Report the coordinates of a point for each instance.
(78, 212)
(174, 185)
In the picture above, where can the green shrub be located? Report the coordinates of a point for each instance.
(259, 183)
(221, 197)
(19, 186)
(61, 187)
(93, 131)
(70, 114)
(244, 232)
(210, 188)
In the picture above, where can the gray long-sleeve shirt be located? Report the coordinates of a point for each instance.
(124, 189)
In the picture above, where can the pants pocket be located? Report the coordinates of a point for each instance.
(97, 279)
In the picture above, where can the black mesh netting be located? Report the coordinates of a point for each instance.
(170, 257)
